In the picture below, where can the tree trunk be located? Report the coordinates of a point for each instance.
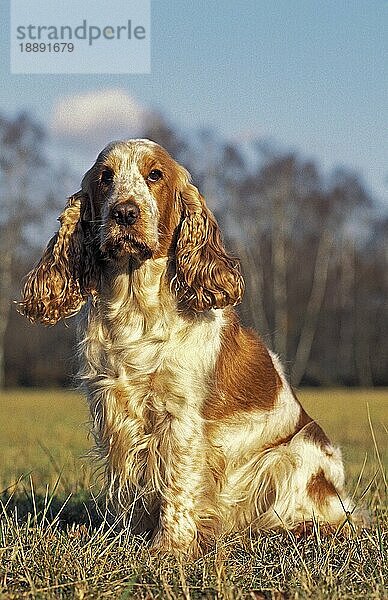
(313, 308)
(279, 267)
(362, 316)
(254, 275)
(347, 308)
(5, 299)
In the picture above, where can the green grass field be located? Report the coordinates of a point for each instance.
(55, 542)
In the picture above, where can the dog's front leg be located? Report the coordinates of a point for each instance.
(186, 516)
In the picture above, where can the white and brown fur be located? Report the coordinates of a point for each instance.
(199, 431)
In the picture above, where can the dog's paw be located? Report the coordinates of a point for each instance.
(162, 543)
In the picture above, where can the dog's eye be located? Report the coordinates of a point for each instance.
(154, 175)
(107, 176)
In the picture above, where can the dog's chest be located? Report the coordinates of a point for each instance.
(160, 362)
(146, 372)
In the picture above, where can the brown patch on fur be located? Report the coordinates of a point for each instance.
(315, 434)
(320, 489)
(245, 378)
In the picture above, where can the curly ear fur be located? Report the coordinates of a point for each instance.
(205, 276)
(60, 283)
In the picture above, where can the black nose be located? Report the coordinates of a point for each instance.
(126, 214)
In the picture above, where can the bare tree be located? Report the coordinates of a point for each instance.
(6, 260)
(254, 276)
(279, 270)
(346, 302)
(314, 306)
(281, 194)
(24, 189)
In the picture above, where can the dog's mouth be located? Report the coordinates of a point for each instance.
(126, 244)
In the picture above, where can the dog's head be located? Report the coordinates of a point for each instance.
(136, 203)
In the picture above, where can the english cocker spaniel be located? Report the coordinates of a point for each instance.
(199, 431)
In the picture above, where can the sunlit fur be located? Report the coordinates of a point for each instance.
(197, 427)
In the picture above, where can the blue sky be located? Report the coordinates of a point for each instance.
(309, 74)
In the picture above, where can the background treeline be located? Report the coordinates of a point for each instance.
(313, 248)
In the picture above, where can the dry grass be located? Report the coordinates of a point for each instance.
(56, 543)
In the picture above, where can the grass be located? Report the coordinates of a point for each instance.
(55, 541)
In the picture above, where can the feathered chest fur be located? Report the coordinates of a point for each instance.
(145, 369)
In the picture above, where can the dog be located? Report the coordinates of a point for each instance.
(193, 418)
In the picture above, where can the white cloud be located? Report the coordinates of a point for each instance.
(97, 117)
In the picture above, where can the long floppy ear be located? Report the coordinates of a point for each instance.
(205, 275)
(57, 287)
